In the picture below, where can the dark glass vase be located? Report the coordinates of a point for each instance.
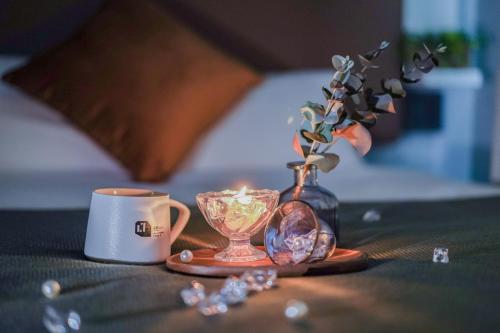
(307, 189)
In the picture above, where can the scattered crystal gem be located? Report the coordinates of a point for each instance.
(51, 289)
(371, 215)
(325, 243)
(234, 291)
(212, 305)
(296, 310)
(186, 256)
(53, 320)
(260, 279)
(301, 246)
(441, 255)
(194, 294)
(74, 321)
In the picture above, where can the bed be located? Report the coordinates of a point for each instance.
(48, 170)
(45, 163)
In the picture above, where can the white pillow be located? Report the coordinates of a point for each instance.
(35, 138)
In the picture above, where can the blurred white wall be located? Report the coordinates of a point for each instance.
(431, 16)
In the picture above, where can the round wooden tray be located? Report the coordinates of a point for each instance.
(203, 263)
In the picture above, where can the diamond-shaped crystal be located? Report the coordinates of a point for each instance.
(234, 291)
(441, 255)
(301, 246)
(51, 289)
(212, 305)
(74, 321)
(194, 294)
(296, 310)
(324, 247)
(53, 320)
(260, 279)
(59, 322)
(371, 215)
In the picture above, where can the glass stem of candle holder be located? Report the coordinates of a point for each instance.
(240, 250)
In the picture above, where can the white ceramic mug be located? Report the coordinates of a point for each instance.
(132, 225)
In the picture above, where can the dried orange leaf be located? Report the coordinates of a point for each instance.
(357, 135)
(296, 145)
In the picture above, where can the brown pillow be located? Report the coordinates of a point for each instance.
(139, 83)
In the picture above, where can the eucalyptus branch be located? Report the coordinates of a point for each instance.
(351, 123)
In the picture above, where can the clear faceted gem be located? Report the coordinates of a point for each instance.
(324, 247)
(234, 291)
(74, 321)
(301, 245)
(194, 294)
(212, 305)
(51, 288)
(53, 320)
(371, 215)
(58, 322)
(260, 279)
(441, 255)
(186, 256)
(296, 310)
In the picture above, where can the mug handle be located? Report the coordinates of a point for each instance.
(182, 219)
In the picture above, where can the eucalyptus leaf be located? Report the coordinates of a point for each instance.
(327, 93)
(375, 53)
(326, 162)
(338, 62)
(341, 77)
(338, 95)
(326, 133)
(362, 76)
(356, 99)
(425, 61)
(303, 134)
(394, 87)
(366, 63)
(353, 84)
(314, 137)
(384, 44)
(366, 118)
(441, 48)
(410, 73)
(313, 112)
(381, 103)
(332, 117)
(306, 150)
(342, 64)
(372, 55)
(426, 48)
(369, 118)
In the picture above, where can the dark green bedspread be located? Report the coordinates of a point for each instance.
(402, 291)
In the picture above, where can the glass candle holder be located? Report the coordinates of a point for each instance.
(238, 216)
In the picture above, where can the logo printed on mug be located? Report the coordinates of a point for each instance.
(143, 228)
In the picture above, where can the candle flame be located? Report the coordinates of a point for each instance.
(242, 192)
(242, 196)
